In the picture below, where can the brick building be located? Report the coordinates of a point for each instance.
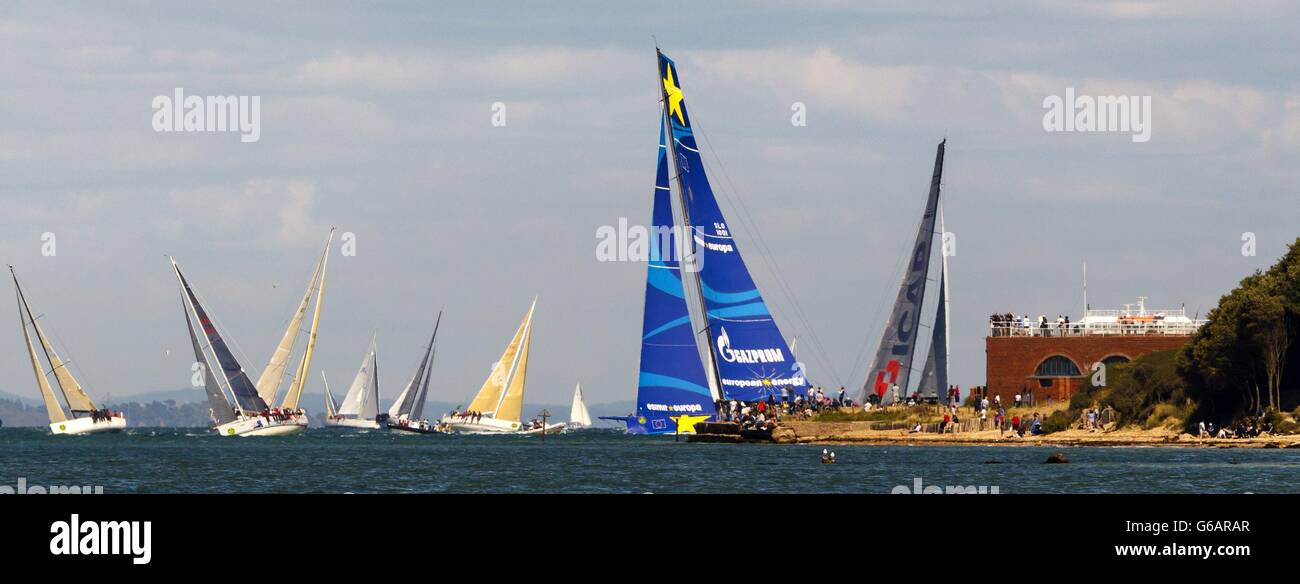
(1052, 359)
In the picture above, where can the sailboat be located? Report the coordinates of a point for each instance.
(887, 380)
(499, 403)
(579, 417)
(746, 358)
(407, 413)
(238, 407)
(82, 416)
(360, 407)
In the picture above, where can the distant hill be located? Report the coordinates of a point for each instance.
(188, 408)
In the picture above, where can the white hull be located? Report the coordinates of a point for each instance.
(352, 423)
(259, 426)
(464, 425)
(88, 425)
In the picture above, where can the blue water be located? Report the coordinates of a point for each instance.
(168, 460)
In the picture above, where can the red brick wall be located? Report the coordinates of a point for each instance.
(1010, 361)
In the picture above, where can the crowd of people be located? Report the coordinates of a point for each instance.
(280, 414)
(103, 415)
(765, 413)
(1249, 427)
(1009, 325)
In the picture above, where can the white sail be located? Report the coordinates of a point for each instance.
(578, 414)
(331, 410)
(362, 400)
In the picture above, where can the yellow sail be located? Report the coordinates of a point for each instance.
(78, 401)
(512, 404)
(490, 395)
(52, 406)
(269, 383)
(294, 395)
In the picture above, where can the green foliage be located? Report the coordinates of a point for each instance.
(1226, 364)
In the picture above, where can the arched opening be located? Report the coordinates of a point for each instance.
(1115, 360)
(1057, 366)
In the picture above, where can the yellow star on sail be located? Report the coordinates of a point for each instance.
(674, 96)
(686, 424)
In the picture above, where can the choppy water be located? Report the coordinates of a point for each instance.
(603, 461)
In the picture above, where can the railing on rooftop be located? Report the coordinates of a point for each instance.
(1019, 328)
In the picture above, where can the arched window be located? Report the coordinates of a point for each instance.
(1057, 366)
(1115, 360)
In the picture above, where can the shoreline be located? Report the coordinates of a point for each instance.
(845, 433)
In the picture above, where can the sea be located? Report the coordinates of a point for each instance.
(329, 460)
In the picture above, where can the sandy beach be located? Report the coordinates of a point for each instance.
(860, 433)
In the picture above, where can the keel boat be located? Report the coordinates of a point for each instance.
(360, 407)
(82, 415)
(499, 403)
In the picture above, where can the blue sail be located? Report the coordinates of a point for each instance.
(752, 358)
(671, 382)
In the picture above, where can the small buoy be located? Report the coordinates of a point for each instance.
(1056, 458)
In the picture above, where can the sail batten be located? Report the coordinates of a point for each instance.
(893, 362)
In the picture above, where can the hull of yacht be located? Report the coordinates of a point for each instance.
(77, 426)
(422, 427)
(264, 426)
(352, 423)
(466, 425)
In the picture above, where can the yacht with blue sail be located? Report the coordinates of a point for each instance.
(746, 358)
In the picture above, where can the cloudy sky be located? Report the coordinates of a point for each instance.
(378, 120)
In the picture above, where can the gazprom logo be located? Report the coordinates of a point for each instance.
(746, 355)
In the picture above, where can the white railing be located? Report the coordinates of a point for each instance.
(1052, 329)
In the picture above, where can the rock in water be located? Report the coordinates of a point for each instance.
(1056, 458)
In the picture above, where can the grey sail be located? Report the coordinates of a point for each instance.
(362, 399)
(410, 404)
(893, 362)
(418, 412)
(241, 387)
(934, 375)
(221, 411)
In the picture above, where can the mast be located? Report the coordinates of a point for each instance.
(52, 407)
(715, 375)
(947, 316)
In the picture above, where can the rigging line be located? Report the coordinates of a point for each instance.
(767, 258)
(57, 343)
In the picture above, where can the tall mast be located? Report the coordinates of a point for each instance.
(943, 249)
(715, 376)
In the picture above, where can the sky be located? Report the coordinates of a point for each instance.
(378, 120)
